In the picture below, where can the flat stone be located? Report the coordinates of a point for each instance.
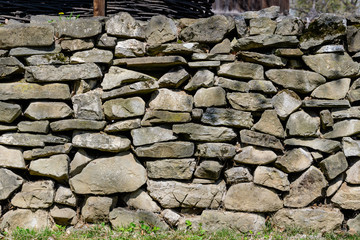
(285, 103)
(334, 185)
(174, 78)
(332, 90)
(237, 175)
(270, 123)
(94, 55)
(271, 177)
(160, 29)
(124, 25)
(100, 141)
(208, 170)
(288, 52)
(240, 25)
(314, 103)
(77, 124)
(5, 128)
(255, 156)
(122, 126)
(295, 160)
(319, 218)
(65, 196)
(354, 92)
(241, 70)
(171, 217)
(270, 12)
(55, 167)
(260, 139)
(48, 59)
(102, 176)
(262, 25)
(220, 151)
(223, 47)
(47, 110)
(263, 59)
(251, 198)
(305, 189)
(148, 63)
(78, 28)
(235, 85)
(149, 135)
(172, 194)
(106, 41)
(353, 173)
(185, 48)
(140, 199)
(124, 108)
(28, 51)
(62, 215)
(334, 165)
(88, 106)
(202, 78)
(289, 26)
(171, 168)
(10, 66)
(227, 117)
(298, 80)
(80, 160)
(352, 37)
(130, 48)
(249, 101)
(198, 132)
(343, 113)
(214, 57)
(265, 41)
(204, 64)
(159, 116)
(25, 91)
(347, 197)
(76, 44)
(166, 150)
(11, 158)
(97, 209)
(331, 49)
(38, 194)
(26, 35)
(344, 128)
(172, 100)
(351, 147)
(322, 145)
(210, 97)
(9, 112)
(9, 183)
(302, 124)
(262, 86)
(47, 151)
(30, 140)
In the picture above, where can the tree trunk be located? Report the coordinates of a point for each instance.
(99, 7)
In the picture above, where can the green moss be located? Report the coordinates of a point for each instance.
(320, 29)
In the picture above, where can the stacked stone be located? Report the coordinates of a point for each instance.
(117, 120)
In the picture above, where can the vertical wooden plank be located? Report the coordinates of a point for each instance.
(99, 7)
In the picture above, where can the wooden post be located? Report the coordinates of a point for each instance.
(99, 7)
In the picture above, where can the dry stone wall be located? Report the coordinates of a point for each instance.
(222, 121)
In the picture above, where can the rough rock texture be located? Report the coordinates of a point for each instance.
(334, 165)
(9, 182)
(166, 150)
(55, 167)
(254, 155)
(97, 209)
(140, 199)
(124, 108)
(171, 168)
(347, 197)
(100, 141)
(11, 157)
(47, 110)
(295, 160)
(271, 177)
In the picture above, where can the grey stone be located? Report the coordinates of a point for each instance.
(47, 110)
(149, 135)
(285, 103)
(237, 175)
(47, 151)
(289, 26)
(11, 157)
(106, 41)
(78, 28)
(334, 165)
(9, 112)
(172, 194)
(209, 170)
(270, 12)
(270, 123)
(124, 108)
(322, 145)
(288, 52)
(174, 78)
(30, 140)
(25, 91)
(305, 189)
(100, 141)
(210, 97)
(227, 117)
(251, 198)
(354, 92)
(265, 41)
(198, 132)
(235, 85)
(302, 124)
(171, 168)
(343, 113)
(150, 63)
(240, 25)
(124, 25)
(196, 114)
(77, 124)
(262, 86)
(56, 167)
(353, 37)
(260, 139)
(219, 151)
(102, 176)
(331, 49)
(214, 57)
(351, 147)
(262, 25)
(353, 173)
(344, 128)
(9, 183)
(295, 160)
(186, 48)
(202, 78)
(332, 90)
(166, 150)
(253, 155)
(223, 47)
(76, 44)
(334, 185)
(140, 199)
(263, 59)
(241, 70)
(65, 196)
(88, 106)
(160, 29)
(38, 194)
(171, 217)
(130, 48)
(10, 66)
(326, 119)
(94, 55)
(314, 103)
(159, 116)
(56, 58)
(347, 197)
(80, 160)
(28, 51)
(97, 209)
(62, 215)
(50, 73)
(249, 101)
(204, 64)
(122, 126)
(172, 100)
(6, 128)
(271, 177)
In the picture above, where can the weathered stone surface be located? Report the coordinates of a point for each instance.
(240, 25)
(62, 215)
(322, 145)
(158, 116)
(344, 129)
(26, 219)
(270, 123)
(33, 127)
(208, 170)
(351, 147)
(227, 117)
(271, 177)
(314, 103)
(262, 25)
(121, 217)
(306, 188)
(30, 140)
(124, 108)
(252, 198)
(10, 66)
(78, 28)
(166, 150)
(353, 38)
(171, 217)
(213, 57)
(76, 44)
(235, 85)
(140, 199)
(262, 86)
(331, 49)
(332, 90)
(124, 25)
(106, 41)
(326, 119)
(94, 55)
(237, 175)
(116, 77)
(6, 128)
(103, 175)
(148, 135)
(318, 218)
(208, 30)
(342, 113)
(185, 48)
(334, 165)
(47, 110)
(204, 64)
(130, 48)
(202, 78)
(302, 124)
(215, 150)
(9, 112)
(198, 132)
(151, 63)
(260, 139)
(353, 173)
(9, 183)
(122, 126)
(270, 12)
(241, 70)
(213, 220)
(263, 59)
(265, 41)
(171, 168)
(354, 92)
(249, 101)
(28, 51)
(38, 194)
(77, 124)
(210, 97)
(289, 26)
(295, 160)
(24, 91)
(334, 185)
(26, 35)
(88, 106)
(47, 151)
(254, 155)
(97, 209)
(100, 141)
(174, 78)
(11, 157)
(354, 225)
(285, 103)
(56, 167)
(50, 73)
(298, 80)
(165, 99)
(160, 29)
(337, 65)
(288, 52)
(347, 197)
(80, 160)
(172, 194)
(65, 196)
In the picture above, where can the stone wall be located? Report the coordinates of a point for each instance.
(225, 122)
